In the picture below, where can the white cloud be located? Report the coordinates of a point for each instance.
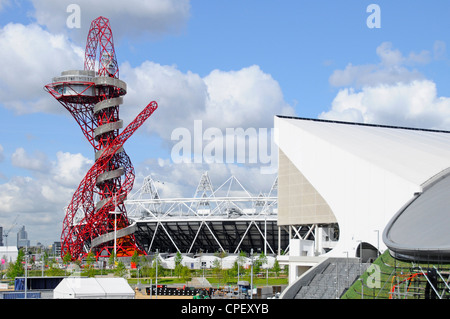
(40, 213)
(29, 58)
(219, 103)
(179, 95)
(244, 98)
(70, 169)
(40, 198)
(38, 162)
(131, 18)
(223, 99)
(390, 92)
(439, 50)
(414, 104)
(392, 68)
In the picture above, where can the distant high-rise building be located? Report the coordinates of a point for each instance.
(1, 236)
(56, 248)
(22, 238)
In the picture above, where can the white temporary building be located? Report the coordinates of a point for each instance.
(8, 253)
(187, 261)
(93, 288)
(206, 261)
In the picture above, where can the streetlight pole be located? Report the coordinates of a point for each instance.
(115, 236)
(26, 272)
(115, 212)
(239, 289)
(156, 277)
(251, 277)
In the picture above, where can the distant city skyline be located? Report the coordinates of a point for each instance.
(19, 234)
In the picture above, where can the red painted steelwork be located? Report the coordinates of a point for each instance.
(93, 97)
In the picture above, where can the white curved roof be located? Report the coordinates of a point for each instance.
(365, 173)
(413, 154)
(419, 231)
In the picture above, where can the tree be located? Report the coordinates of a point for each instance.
(67, 258)
(45, 257)
(186, 273)
(239, 264)
(156, 262)
(261, 260)
(17, 269)
(112, 259)
(217, 269)
(178, 266)
(146, 271)
(276, 268)
(120, 269)
(90, 259)
(135, 258)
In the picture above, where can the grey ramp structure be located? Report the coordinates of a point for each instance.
(420, 230)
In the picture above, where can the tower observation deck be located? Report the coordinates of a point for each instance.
(96, 219)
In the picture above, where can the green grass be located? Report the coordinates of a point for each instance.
(387, 268)
(214, 281)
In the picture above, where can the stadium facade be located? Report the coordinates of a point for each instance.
(225, 219)
(341, 184)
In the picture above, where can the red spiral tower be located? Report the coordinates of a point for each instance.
(96, 219)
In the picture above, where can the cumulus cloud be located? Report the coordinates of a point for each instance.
(390, 93)
(69, 169)
(131, 18)
(222, 99)
(40, 197)
(25, 52)
(392, 68)
(244, 98)
(234, 107)
(414, 104)
(179, 95)
(38, 162)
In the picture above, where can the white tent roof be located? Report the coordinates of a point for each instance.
(115, 287)
(186, 261)
(93, 288)
(10, 252)
(414, 154)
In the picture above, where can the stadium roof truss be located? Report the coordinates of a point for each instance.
(227, 219)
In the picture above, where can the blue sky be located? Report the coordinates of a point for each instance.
(227, 63)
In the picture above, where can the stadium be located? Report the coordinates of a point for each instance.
(368, 192)
(225, 219)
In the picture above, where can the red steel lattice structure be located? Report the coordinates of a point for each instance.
(96, 214)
